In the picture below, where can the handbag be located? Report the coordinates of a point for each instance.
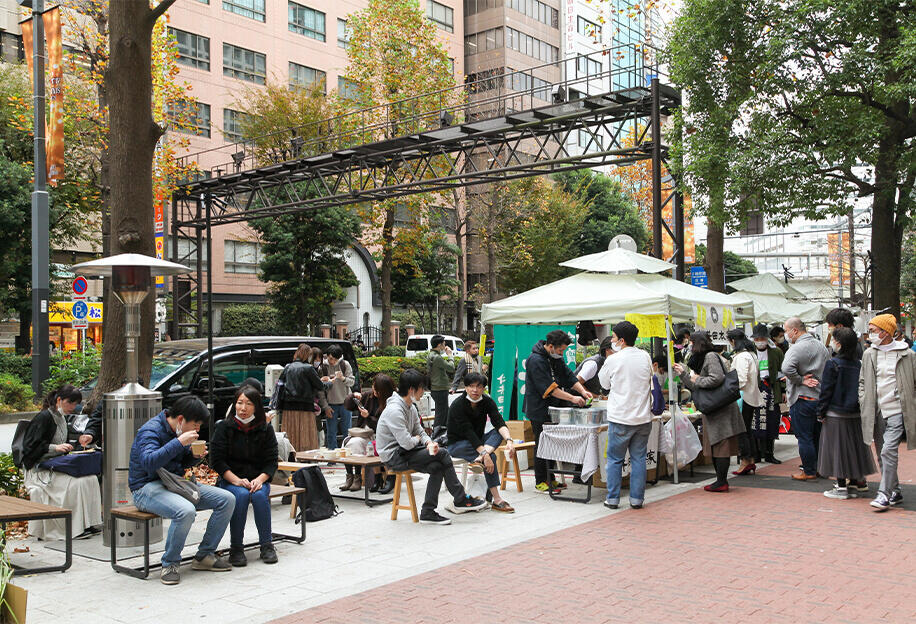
(709, 400)
(185, 488)
(360, 432)
(658, 398)
(75, 464)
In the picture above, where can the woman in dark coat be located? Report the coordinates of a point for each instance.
(369, 406)
(766, 428)
(243, 452)
(297, 391)
(723, 427)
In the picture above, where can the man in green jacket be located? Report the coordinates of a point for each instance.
(440, 376)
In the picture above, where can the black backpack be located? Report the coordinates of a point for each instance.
(19, 442)
(316, 504)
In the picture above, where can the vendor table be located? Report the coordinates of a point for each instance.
(575, 444)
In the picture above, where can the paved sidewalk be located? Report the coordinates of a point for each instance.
(771, 550)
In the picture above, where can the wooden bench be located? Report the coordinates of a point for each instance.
(14, 509)
(132, 514)
(396, 501)
(516, 476)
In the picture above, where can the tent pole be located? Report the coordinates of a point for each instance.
(672, 400)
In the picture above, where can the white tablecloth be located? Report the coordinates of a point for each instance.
(575, 444)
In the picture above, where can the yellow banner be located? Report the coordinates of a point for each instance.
(649, 325)
(60, 312)
(54, 135)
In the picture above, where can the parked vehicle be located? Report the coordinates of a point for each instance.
(420, 343)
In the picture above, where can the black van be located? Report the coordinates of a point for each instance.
(180, 367)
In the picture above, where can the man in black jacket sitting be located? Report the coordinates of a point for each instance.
(467, 419)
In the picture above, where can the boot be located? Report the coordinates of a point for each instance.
(768, 455)
(357, 484)
(347, 484)
(377, 483)
(389, 485)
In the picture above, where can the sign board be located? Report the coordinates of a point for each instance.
(79, 324)
(80, 311)
(698, 277)
(62, 312)
(160, 254)
(80, 286)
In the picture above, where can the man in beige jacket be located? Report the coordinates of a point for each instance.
(887, 399)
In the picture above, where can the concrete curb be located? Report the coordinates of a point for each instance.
(14, 417)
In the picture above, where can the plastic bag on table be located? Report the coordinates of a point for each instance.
(688, 442)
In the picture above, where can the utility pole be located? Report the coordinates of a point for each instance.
(40, 225)
(851, 222)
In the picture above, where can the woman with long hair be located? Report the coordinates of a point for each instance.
(744, 362)
(46, 437)
(369, 406)
(295, 395)
(243, 452)
(706, 369)
(842, 453)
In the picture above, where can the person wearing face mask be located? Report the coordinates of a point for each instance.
(46, 437)
(165, 442)
(467, 419)
(778, 336)
(548, 381)
(804, 361)
(403, 445)
(887, 398)
(769, 363)
(243, 452)
(440, 374)
(744, 362)
(682, 345)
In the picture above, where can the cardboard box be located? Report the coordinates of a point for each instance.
(521, 430)
(14, 604)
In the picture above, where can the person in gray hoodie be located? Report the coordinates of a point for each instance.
(887, 398)
(403, 445)
(804, 360)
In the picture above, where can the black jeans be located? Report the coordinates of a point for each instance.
(437, 466)
(748, 444)
(440, 399)
(542, 473)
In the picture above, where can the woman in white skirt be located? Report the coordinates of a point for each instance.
(46, 437)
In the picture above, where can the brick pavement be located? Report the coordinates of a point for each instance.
(757, 554)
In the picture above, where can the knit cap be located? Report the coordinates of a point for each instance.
(887, 322)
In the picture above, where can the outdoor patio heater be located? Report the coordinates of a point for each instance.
(130, 406)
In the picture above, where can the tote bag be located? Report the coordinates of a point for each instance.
(709, 400)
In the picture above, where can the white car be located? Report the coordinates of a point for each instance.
(421, 343)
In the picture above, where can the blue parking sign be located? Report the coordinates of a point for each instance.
(80, 310)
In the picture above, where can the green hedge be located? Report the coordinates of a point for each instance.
(369, 367)
(250, 319)
(10, 476)
(15, 394)
(73, 367)
(17, 365)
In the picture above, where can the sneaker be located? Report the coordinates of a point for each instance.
(881, 502)
(476, 467)
(895, 499)
(635, 505)
(838, 493)
(542, 487)
(268, 553)
(237, 558)
(556, 485)
(432, 517)
(611, 505)
(468, 504)
(211, 563)
(170, 575)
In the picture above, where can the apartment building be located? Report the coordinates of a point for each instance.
(231, 48)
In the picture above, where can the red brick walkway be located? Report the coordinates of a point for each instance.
(752, 555)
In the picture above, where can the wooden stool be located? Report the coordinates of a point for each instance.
(395, 502)
(516, 476)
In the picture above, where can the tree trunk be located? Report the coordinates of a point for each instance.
(886, 257)
(132, 140)
(715, 261)
(385, 278)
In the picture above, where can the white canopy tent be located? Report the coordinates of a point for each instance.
(618, 260)
(606, 298)
(777, 309)
(766, 284)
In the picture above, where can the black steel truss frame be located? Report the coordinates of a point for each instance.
(497, 140)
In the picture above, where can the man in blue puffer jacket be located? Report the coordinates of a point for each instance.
(165, 442)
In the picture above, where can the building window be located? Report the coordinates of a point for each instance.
(233, 122)
(11, 47)
(443, 16)
(472, 7)
(521, 81)
(588, 140)
(588, 28)
(306, 21)
(528, 45)
(193, 50)
(536, 10)
(302, 76)
(244, 64)
(253, 9)
(491, 39)
(241, 256)
(343, 34)
(347, 89)
(187, 253)
(587, 67)
(484, 80)
(196, 120)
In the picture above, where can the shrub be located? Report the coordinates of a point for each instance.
(392, 366)
(250, 319)
(17, 365)
(391, 351)
(10, 476)
(73, 367)
(15, 395)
